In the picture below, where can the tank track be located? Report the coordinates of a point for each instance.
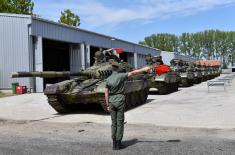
(132, 99)
(58, 104)
(197, 80)
(136, 98)
(164, 88)
(185, 82)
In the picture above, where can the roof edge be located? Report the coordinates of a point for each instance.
(15, 15)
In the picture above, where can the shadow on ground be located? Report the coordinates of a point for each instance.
(128, 143)
(155, 92)
(94, 109)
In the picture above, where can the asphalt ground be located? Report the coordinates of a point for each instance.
(20, 137)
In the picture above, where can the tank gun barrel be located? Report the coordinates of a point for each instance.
(48, 74)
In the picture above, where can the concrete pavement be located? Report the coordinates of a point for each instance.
(189, 107)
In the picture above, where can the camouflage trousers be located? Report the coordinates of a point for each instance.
(117, 117)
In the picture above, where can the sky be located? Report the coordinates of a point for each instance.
(132, 20)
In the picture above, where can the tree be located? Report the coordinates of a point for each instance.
(69, 18)
(17, 6)
(163, 41)
(208, 44)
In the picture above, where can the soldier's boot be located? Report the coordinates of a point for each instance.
(114, 144)
(119, 145)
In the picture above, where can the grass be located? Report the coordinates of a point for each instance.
(4, 94)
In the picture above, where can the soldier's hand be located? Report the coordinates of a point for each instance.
(147, 69)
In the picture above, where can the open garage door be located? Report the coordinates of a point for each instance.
(124, 56)
(56, 57)
(93, 49)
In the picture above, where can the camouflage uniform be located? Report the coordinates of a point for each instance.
(99, 57)
(115, 84)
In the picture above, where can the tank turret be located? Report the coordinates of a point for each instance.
(186, 75)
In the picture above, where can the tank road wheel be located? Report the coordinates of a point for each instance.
(142, 96)
(139, 97)
(58, 104)
(191, 82)
(175, 87)
(133, 98)
(204, 79)
(185, 82)
(196, 80)
(199, 80)
(171, 88)
(128, 101)
(146, 93)
(162, 89)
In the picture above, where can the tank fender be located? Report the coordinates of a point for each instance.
(63, 86)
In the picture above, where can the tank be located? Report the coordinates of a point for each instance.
(216, 70)
(210, 68)
(166, 82)
(88, 86)
(196, 71)
(186, 76)
(204, 72)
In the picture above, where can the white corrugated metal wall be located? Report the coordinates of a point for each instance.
(75, 55)
(141, 60)
(14, 49)
(183, 57)
(167, 57)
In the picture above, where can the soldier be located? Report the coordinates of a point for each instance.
(99, 57)
(115, 100)
(149, 59)
(158, 60)
(110, 55)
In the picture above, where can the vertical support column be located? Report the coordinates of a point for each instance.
(88, 56)
(83, 58)
(31, 62)
(75, 58)
(39, 62)
(135, 60)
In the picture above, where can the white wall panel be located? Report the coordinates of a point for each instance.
(14, 49)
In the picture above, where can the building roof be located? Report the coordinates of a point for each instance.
(32, 17)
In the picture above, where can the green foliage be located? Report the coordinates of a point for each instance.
(209, 44)
(17, 6)
(69, 18)
(163, 41)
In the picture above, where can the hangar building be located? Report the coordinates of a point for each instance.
(29, 43)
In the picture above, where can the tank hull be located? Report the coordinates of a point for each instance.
(187, 79)
(136, 92)
(166, 83)
(197, 77)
